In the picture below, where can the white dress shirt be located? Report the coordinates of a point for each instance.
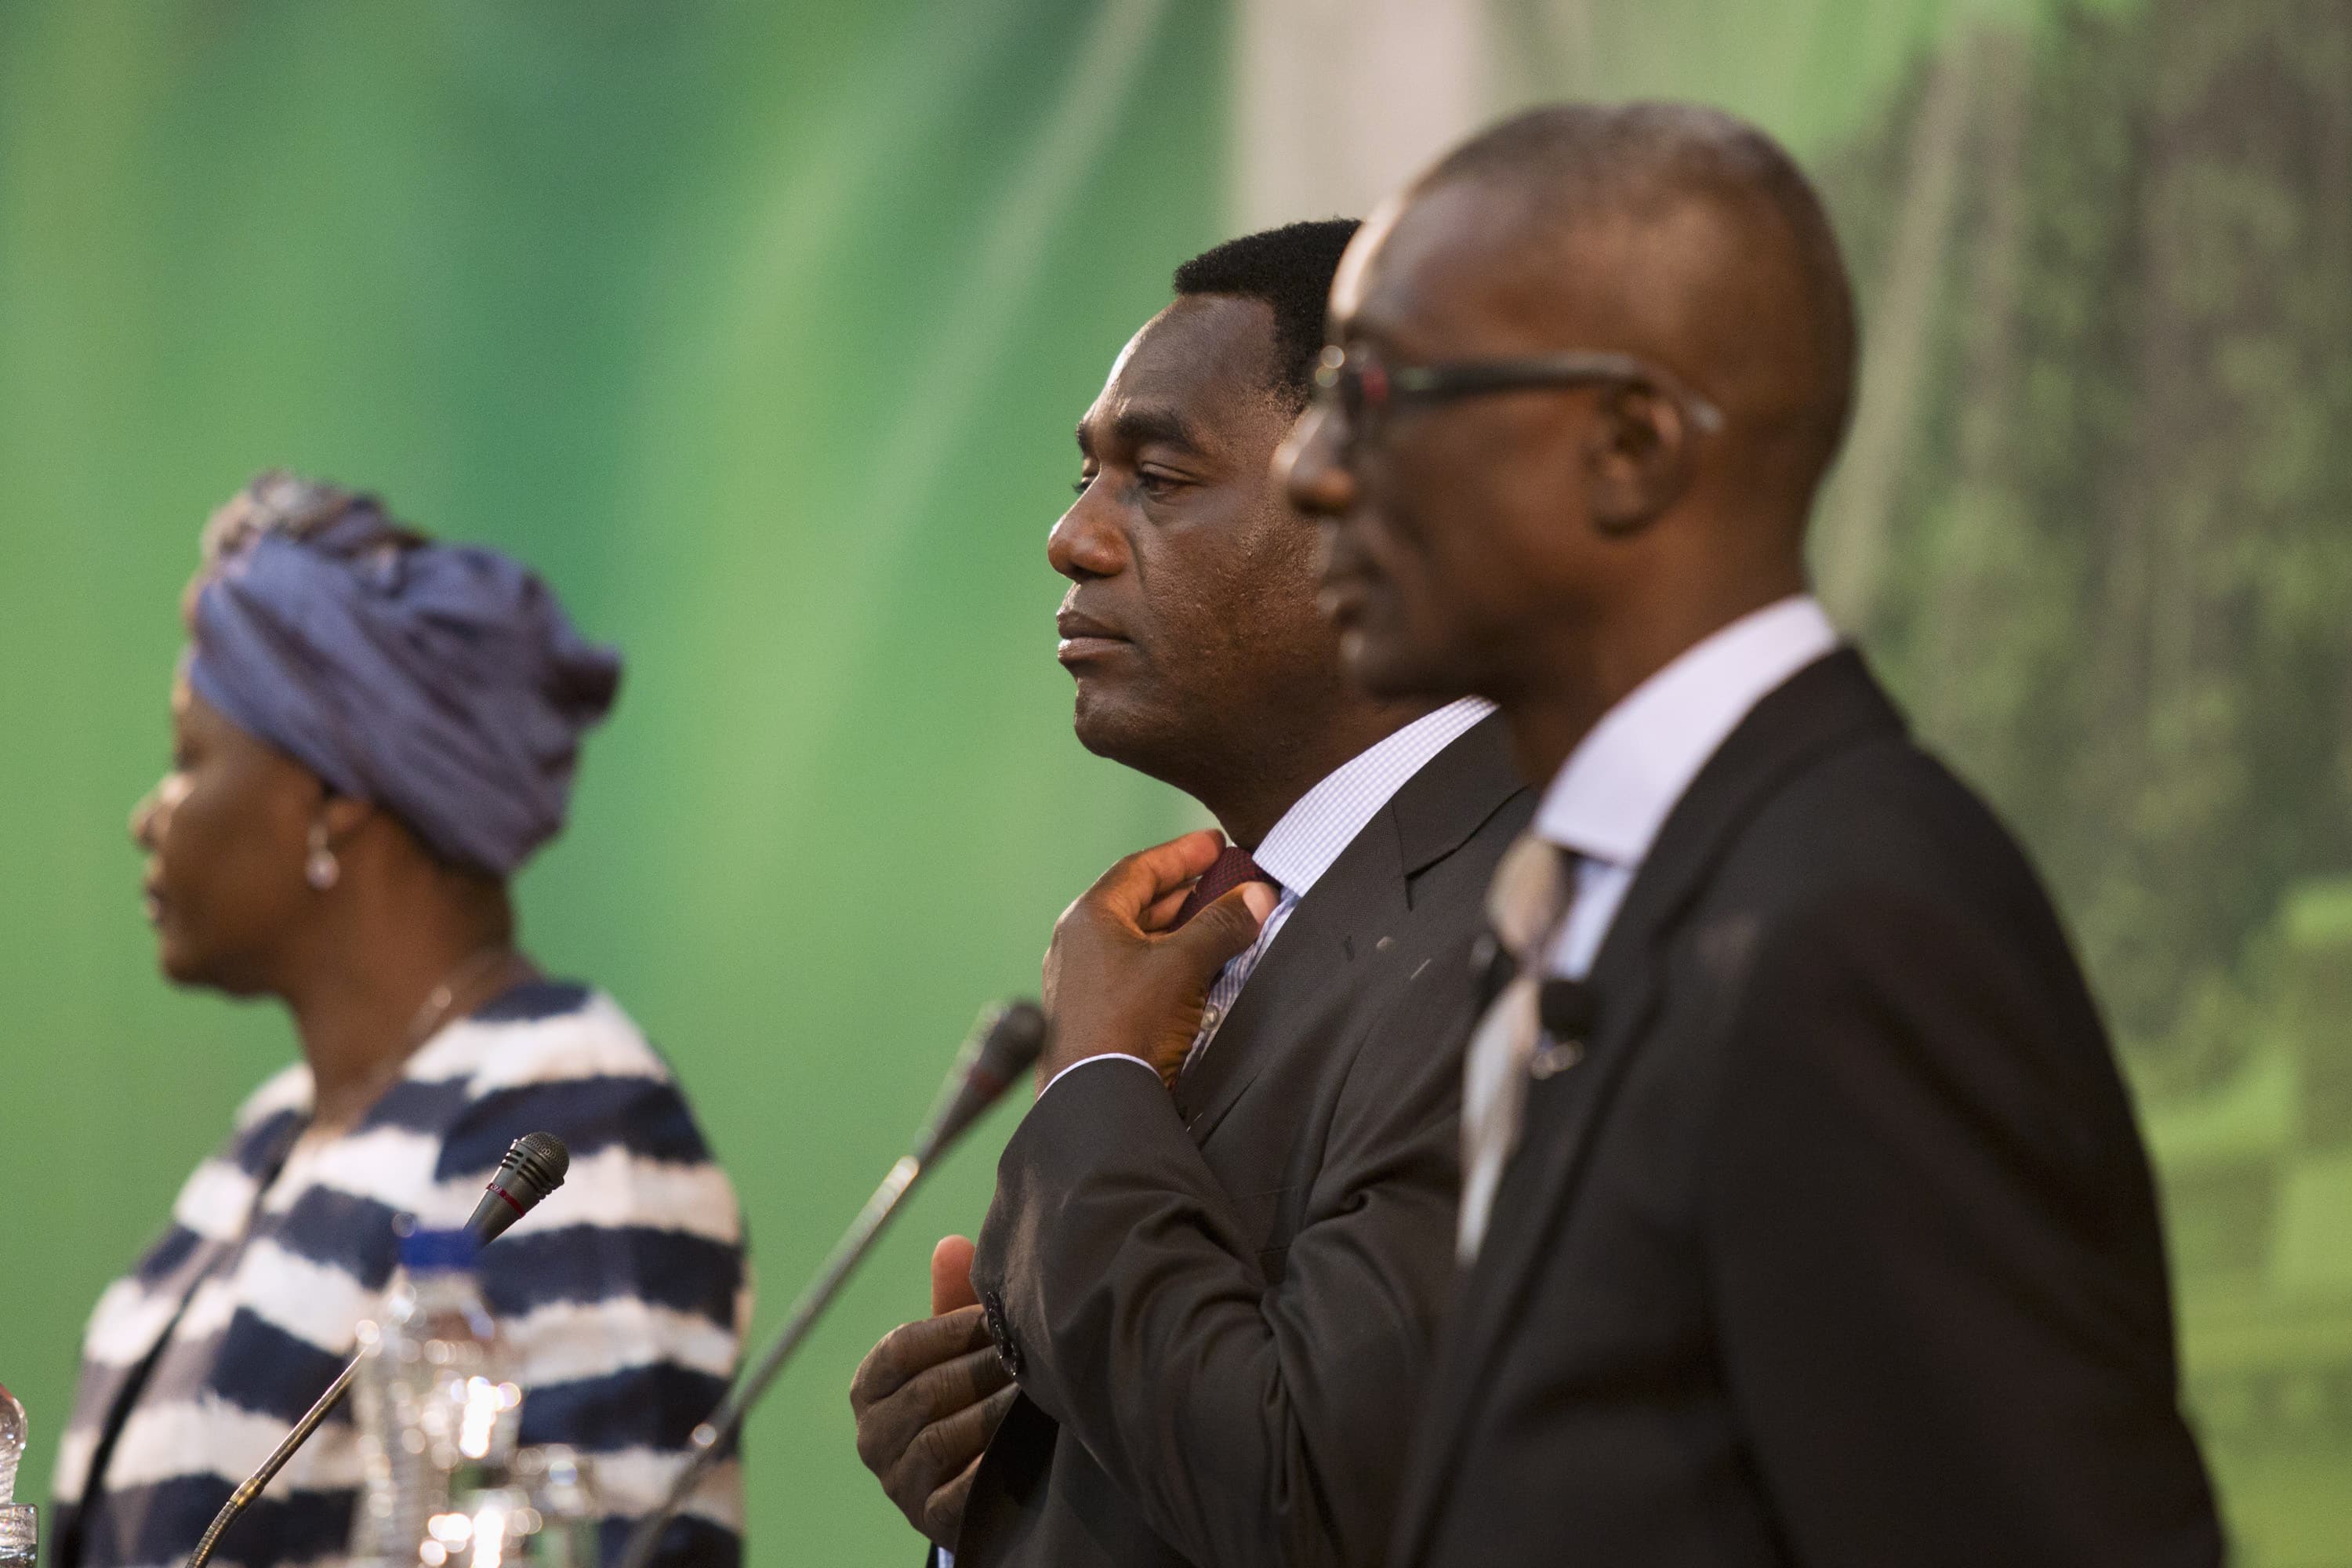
(1608, 801)
(1319, 825)
(1603, 809)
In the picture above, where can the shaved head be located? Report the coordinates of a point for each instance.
(1701, 229)
(1551, 537)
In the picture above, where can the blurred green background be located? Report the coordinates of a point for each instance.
(761, 327)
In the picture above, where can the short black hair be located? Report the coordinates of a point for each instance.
(1290, 268)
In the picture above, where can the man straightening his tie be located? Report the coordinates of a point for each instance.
(1222, 1237)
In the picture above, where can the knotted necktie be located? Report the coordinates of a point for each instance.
(1525, 904)
(1233, 867)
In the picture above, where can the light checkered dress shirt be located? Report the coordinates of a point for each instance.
(1311, 835)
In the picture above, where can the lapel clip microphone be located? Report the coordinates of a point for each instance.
(1567, 1009)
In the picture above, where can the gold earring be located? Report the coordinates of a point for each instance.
(320, 869)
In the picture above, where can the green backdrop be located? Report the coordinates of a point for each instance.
(762, 328)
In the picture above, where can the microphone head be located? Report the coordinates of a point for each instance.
(1011, 1036)
(534, 1166)
(539, 1158)
(1002, 1046)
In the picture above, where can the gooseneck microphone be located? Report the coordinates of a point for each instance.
(533, 1167)
(1005, 1045)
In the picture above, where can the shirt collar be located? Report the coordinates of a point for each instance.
(1324, 821)
(1610, 797)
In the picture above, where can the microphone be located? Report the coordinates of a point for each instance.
(533, 1167)
(1568, 1008)
(1003, 1046)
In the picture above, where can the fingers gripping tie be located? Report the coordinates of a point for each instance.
(1232, 868)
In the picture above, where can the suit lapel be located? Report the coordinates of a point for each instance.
(1828, 705)
(1338, 926)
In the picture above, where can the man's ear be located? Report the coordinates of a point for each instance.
(1639, 461)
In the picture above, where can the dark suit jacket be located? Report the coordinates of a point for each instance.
(1838, 1246)
(1219, 1304)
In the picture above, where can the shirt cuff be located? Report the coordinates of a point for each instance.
(1101, 1057)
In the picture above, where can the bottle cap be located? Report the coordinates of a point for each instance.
(438, 1251)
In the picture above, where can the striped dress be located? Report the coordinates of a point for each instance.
(623, 1296)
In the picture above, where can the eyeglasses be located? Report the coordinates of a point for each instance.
(1364, 387)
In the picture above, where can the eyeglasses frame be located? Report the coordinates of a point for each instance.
(1407, 383)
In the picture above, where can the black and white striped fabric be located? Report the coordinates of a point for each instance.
(623, 1296)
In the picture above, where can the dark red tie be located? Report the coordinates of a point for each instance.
(1234, 868)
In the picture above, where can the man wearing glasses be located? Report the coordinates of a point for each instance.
(1804, 1218)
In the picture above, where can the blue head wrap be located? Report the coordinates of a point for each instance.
(442, 682)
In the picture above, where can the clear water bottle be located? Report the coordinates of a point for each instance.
(19, 1522)
(433, 1404)
(541, 1513)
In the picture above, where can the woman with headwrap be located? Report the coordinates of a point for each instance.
(371, 732)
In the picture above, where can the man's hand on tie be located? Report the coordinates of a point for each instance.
(1120, 979)
(928, 1399)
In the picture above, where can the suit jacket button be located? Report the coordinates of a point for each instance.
(999, 1333)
